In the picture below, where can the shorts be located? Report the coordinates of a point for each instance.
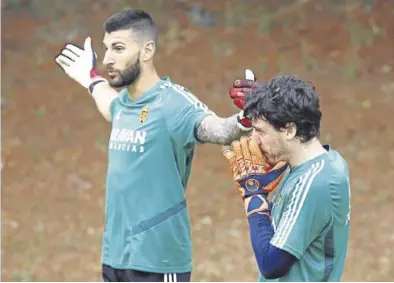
(130, 275)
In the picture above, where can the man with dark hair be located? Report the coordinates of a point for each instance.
(302, 235)
(156, 125)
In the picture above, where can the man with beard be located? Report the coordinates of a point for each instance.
(156, 125)
(303, 234)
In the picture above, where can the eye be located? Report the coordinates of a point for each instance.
(257, 130)
(118, 48)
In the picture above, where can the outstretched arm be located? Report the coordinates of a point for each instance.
(214, 129)
(103, 94)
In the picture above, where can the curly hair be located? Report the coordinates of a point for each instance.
(286, 100)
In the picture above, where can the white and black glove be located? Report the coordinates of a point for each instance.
(80, 64)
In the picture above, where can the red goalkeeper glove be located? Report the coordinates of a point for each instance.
(241, 88)
(238, 93)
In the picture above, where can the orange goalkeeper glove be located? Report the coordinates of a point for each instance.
(253, 176)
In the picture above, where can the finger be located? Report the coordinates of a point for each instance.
(246, 153)
(237, 93)
(249, 75)
(63, 61)
(244, 83)
(225, 148)
(75, 49)
(59, 63)
(230, 156)
(69, 54)
(239, 103)
(236, 147)
(246, 90)
(258, 159)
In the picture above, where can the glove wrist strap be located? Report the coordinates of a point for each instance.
(243, 123)
(266, 212)
(256, 204)
(94, 83)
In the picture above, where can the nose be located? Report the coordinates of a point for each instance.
(108, 59)
(254, 135)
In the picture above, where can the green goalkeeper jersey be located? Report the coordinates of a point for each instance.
(150, 154)
(310, 217)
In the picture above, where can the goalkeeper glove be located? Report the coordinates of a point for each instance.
(253, 176)
(80, 64)
(238, 92)
(241, 88)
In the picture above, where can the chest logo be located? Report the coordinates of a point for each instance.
(144, 114)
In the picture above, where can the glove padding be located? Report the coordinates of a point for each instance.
(253, 176)
(241, 88)
(80, 64)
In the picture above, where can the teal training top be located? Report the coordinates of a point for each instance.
(310, 216)
(149, 161)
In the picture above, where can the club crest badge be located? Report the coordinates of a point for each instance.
(144, 114)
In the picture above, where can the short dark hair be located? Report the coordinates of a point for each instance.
(284, 100)
(138, 21)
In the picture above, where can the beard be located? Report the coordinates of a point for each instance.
(273, 157)
(272, 160)
(127, 76)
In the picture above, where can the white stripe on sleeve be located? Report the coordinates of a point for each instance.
(297, 210)
(295, 205)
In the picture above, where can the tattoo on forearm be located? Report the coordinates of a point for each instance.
(213, 129)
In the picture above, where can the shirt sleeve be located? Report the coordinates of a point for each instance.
(272, 262)
(185, 114)
(307, 212)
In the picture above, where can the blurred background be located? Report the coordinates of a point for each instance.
(54, 142)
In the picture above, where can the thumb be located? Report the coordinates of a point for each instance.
(88, 48)
(249, 75)
(88, 44)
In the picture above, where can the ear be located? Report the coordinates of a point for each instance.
(290, 131)
(148, 51)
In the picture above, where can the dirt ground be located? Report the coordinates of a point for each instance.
(54, 142)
